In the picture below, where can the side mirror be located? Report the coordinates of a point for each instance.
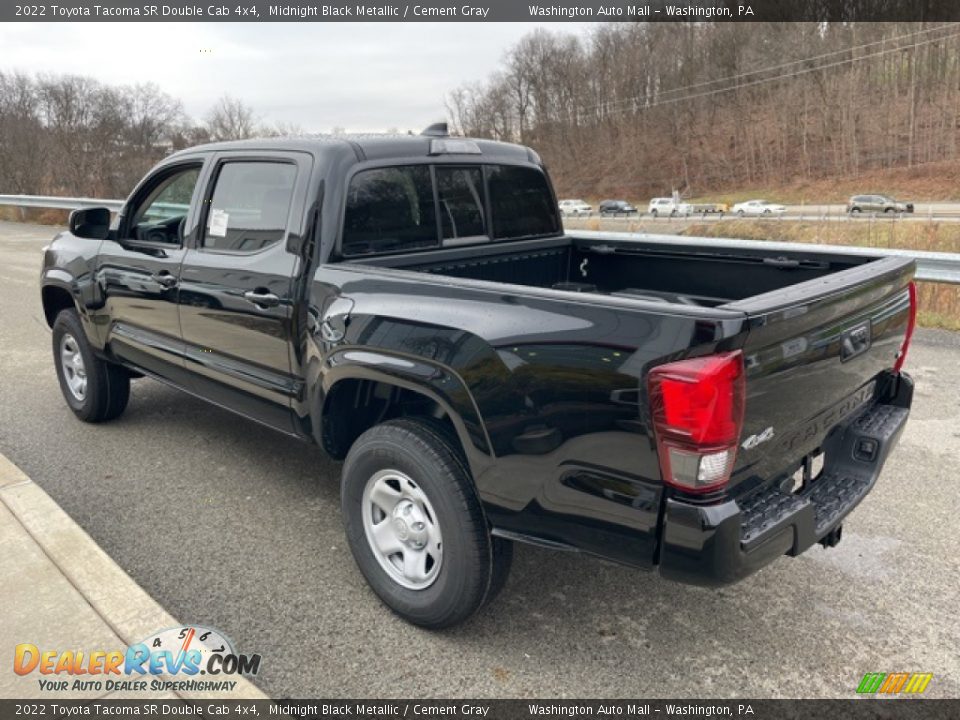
(92, 223)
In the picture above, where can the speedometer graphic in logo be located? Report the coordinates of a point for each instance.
(192, 648)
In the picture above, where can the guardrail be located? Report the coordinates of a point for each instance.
(931, 266)
(59, 203)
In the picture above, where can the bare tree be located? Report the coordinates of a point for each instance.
(231, 119)
(634, 108)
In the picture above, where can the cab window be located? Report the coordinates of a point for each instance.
(389, 210)
(460, 193)
(521, 203)
(161, 214)
(416, 207)
(250, 206)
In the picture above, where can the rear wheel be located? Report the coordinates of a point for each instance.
(855, 211)
(888, 210)
(95, 389)
(415, 525)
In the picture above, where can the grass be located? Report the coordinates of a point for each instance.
(38, 216)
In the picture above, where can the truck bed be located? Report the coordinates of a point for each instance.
(656, 271)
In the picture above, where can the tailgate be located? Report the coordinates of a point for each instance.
(812, 355)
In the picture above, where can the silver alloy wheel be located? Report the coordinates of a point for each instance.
(402, 529)
(71, 364)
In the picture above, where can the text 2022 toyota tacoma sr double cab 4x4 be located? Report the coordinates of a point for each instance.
(412, 305)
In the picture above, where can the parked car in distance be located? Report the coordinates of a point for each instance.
(877, 204)
(758, 207)
(574, 208)
(667, 206)
(617, 207)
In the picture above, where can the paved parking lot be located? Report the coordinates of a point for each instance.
(230, 525)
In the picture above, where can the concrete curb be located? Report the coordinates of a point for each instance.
(122, 604)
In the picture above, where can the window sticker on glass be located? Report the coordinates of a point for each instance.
(218, 223)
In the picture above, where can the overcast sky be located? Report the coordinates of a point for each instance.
(359, 76)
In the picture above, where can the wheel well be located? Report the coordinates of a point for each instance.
(55, 299)
(353, 406)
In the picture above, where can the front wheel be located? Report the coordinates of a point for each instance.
(416, 527)
(95, 389)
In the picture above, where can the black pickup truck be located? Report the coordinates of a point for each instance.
(413, 305)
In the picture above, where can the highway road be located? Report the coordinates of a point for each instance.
(928, 212)
(229, 525)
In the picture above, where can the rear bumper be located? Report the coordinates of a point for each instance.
(720, 544)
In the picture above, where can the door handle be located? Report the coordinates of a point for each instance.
(165, 279)
(261, 299)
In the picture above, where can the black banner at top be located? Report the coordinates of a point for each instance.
(434, 709)
(485, 11)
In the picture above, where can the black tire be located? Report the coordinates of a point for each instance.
(653, 212)
(855, 211)
(107, 388)
(740, 213)
(474, 565)
(888, 210)
(502, 549)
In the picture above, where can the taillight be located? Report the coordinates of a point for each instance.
(697, 409)
(911, 324)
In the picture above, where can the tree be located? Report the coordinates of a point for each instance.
(231, 119)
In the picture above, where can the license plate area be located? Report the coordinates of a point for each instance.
(809, 471)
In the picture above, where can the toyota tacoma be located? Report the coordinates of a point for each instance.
(413, 306)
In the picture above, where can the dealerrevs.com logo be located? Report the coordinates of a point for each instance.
(184, 653)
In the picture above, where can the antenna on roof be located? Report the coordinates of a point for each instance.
(437, 130)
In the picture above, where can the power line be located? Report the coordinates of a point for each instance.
(761, 81)
(791, 63)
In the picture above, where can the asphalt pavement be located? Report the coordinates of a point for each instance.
(232, 526)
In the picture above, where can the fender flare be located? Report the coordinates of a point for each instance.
(437, 382)
(60, 279)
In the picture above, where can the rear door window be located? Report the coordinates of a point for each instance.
(250, 206)
(390, 210)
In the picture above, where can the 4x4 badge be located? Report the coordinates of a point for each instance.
(751, 442)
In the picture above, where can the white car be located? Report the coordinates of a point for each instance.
(758, 207)
(667, 206)
(574, 208)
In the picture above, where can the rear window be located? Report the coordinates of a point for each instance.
(390, 210)
(460, 192)
(395, 209)
(520, 203)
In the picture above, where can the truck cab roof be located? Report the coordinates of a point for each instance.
(377, 147)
